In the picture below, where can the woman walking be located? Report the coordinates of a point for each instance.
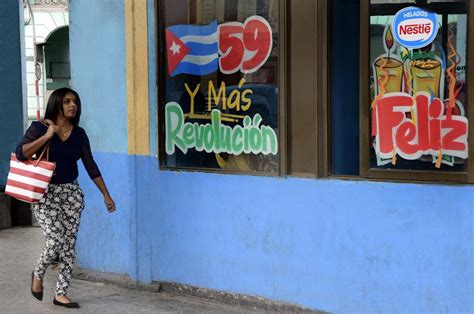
(59, 211)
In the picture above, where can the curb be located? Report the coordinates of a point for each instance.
(254, 302)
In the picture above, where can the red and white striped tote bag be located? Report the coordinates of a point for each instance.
(28, 180)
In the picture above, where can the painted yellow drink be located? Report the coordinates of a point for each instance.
(389, 75)
(426, 76)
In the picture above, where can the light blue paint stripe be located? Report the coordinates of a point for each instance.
(194, 30)
(152, 78)
(191, 68)
(104, 73)
(198, 49)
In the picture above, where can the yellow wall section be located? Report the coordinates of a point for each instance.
(137, 76)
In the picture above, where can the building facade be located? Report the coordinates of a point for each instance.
(46, 31)
(13, 91)
(294, 150)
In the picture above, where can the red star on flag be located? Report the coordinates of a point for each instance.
(176, 51)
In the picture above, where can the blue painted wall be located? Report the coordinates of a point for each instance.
(97, 42)
(339, 246)
(106, 242)
(12, 90)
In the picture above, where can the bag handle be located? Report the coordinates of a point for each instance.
(46, 124)
(45, 149)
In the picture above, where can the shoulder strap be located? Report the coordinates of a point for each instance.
(45, 149)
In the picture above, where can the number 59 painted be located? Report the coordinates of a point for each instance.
(244, 47)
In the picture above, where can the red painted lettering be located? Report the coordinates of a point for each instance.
(454, 139)
(389, 116)
(436, 109)
(406, 136)
(428, 132)
(422, 120)
(415, 29)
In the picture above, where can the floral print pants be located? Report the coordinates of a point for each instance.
(59, 213)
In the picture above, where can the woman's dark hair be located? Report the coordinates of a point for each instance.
(55, 105)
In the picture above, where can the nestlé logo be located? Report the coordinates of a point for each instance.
(414, 27)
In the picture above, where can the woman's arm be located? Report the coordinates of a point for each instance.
(94, 173)
(109, 202)
(29, 149)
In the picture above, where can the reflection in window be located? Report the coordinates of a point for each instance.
(430, 1)
(220, 84)
(391, 1)
(418, 96)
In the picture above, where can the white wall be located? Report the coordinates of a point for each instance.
(47, 20)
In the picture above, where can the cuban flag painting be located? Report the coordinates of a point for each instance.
(192, 49)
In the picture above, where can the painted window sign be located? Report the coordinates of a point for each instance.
(192, 49)
(245, 47)
(430, 130)
(418, 120)
(221, 101)
(415, 27)
(216, 137)
(231, 47)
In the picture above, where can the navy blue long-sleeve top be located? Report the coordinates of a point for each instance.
(64, 153)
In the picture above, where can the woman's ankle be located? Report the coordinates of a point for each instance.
(62, 298)
(37, 283)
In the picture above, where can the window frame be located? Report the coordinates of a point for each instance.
(366, 171)
(316, 66)
(282, 103)
(288, 22)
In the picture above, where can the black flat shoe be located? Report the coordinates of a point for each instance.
(70, 305)
(37, 295)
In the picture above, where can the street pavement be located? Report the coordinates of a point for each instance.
(19, 250)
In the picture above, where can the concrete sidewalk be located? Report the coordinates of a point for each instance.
(19, 250)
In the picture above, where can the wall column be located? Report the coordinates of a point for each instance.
(12, 98)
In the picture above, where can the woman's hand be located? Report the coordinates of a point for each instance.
(109, 203)
(52, 128)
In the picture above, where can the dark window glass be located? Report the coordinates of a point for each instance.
(345, 87)
(391, 1)
(220, 77)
